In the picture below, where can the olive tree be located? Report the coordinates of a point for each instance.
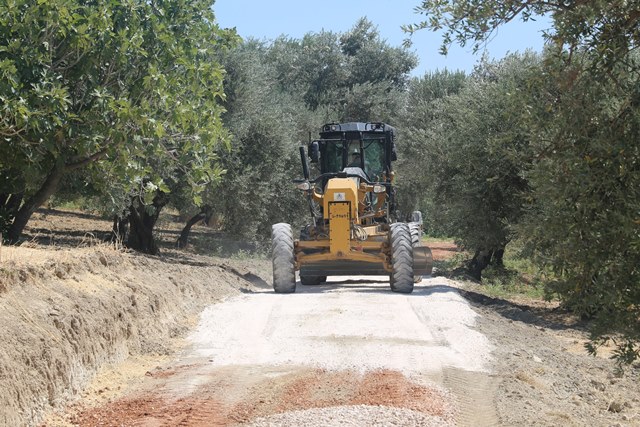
(415, 151)
(473, 148)
(267, 126)
(582, 214)
(353, 75)
(583, 220)
(608, 30)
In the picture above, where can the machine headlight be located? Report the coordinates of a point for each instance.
(377, 189)
(304, 186)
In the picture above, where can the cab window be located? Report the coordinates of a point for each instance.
(374, 159)
(333, 156)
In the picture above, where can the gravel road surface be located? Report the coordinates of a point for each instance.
(358, 325)
(353, 327)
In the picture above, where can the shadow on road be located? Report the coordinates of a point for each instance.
(555, 319)
(372, 285)
(549, 318)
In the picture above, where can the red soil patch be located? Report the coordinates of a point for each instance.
(442, 251)
(155, 411)
(308, 389)
(321, 388)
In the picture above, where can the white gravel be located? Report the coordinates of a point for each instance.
(347, 416)
(359, 326)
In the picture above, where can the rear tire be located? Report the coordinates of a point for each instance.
(283, 259)
(401, 278)
(312, 280)
(415, 228)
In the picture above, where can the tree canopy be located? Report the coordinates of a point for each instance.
(120, 82)
(607, 29)
(350, 74)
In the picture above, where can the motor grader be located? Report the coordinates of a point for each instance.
(353, 229)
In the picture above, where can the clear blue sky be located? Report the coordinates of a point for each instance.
(270, 19)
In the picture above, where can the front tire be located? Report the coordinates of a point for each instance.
(401, 278)
(283, 259)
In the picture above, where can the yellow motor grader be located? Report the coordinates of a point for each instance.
(352, 204)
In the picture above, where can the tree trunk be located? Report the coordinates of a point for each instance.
(184, 235)
(120, 229)
(141, 223)
(203, 215)
(479, 262)
(23, 215)
(498, 257)
(9, 205)
(14, 201)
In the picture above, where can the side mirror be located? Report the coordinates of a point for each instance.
(314, 151)
(394, 155)
(416, 216)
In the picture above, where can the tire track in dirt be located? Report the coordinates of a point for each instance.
(474, 393)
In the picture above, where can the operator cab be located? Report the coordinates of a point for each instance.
(362, 152)
(365, 149)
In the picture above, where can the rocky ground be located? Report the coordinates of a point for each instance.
(84, 324)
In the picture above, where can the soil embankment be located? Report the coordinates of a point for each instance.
(67, 313)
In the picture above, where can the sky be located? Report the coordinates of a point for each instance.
(266, 20)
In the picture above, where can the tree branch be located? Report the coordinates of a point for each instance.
(77, 163)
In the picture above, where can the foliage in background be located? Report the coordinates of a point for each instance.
(584, 216)
(473, 153)
(353, 76)
(278, 93)
(607, 29)
(267, 126)
(416, 126)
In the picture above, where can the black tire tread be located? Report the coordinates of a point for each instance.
(283, 260)
(415, 228)
(401, 278)
(416, 233)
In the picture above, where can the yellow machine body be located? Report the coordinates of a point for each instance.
(355, 244)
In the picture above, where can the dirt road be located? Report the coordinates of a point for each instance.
(351, 347)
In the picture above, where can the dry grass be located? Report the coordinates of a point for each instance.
(58, 237)
(32, 254)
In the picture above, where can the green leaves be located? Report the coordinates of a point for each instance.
(326, 68)
(129, 84)
(606, 30)
(586, 200)
(465, 142)
(577, 114)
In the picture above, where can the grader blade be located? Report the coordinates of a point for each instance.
(343, 268)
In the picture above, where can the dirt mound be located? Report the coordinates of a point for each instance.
(67, 313)
(260, 396)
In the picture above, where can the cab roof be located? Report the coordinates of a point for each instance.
(376, 127)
